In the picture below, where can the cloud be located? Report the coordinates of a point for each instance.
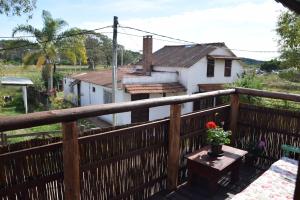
(245, 25)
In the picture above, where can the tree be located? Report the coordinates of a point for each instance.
(52, 42)
(270, 65)
(17, 7)
(288, 30)
(99, 51)
(12, 54)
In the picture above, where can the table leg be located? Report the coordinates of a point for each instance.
(190, 177)
(235, 174)
(213, 186)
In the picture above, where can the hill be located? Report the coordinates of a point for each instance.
(250, 61)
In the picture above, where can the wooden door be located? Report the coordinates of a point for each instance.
(142, 114)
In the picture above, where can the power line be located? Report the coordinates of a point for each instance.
(185, 41)
(164, 36)
(140, 36)
(59, 38)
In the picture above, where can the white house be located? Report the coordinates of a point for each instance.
(172, 70)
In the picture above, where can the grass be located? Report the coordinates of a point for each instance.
(273, 82)
(29, 71)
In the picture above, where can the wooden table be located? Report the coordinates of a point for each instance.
(200, 164)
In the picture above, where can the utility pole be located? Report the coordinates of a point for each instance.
(114, 66)
(122, 52)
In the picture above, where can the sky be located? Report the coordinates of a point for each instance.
(241, 24)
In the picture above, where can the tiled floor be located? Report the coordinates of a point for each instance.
(226, 189)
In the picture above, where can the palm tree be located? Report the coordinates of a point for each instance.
(52, 43)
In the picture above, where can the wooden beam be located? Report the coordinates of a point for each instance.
(73, 114)
(267, 94)
(234, 111)
(71, 161)
(174, 147)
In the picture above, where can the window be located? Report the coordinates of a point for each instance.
(210, 68)
(228, 64)
(94, 89)
(107, 97)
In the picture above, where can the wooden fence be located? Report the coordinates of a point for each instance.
(131, 162)
(274, 126)
(126, 163)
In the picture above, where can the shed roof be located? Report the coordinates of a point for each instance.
(15, 81)
(154, 88)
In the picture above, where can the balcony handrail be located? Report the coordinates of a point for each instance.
(268, 94)
(73, 114)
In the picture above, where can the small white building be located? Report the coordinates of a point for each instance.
(172, 70)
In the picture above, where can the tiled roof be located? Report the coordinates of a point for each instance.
(183, 55)
(154, 88)
(104, 77)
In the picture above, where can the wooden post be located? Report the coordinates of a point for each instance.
(234, 111)
(71, 161)
(174, 147)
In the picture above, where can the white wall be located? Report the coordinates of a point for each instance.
(156, 77)
(197, 72)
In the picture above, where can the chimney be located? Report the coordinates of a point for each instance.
(147, 54)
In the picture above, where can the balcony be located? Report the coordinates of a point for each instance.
(139, 161)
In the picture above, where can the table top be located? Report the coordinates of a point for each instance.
(231, 154)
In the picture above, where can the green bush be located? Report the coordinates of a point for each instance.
(59, 102)
(270, 65)
(291, 74)
(18, 102)
(57, 79)
(248, 81)
(38, 82)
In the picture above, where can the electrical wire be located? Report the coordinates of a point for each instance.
(59, 38)
(191, 42)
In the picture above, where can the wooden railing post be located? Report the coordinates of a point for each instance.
(71, 161)
(234, 111)
(174, 147)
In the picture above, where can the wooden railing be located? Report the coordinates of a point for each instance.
(155, 148)
(70, 145)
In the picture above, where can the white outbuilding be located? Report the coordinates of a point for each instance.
(172, 70)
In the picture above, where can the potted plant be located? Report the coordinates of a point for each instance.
(216, 137)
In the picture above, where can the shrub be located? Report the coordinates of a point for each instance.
(270, 65)
(291, 74)
(38, 82)
(248, 81)
(59, 102)
(57, 79)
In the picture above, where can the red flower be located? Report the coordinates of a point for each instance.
(211, 125)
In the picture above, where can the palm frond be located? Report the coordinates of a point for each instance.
(28, 29)
(32, 57)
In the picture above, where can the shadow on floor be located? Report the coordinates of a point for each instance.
(199, 190)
